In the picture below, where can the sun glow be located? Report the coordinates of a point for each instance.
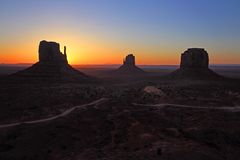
(89, 49)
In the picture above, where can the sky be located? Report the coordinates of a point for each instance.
(104, 31)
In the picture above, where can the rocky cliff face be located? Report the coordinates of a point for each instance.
(129, 66)
(194, 58)
(50, 52)
(129, 60)
(194, 64)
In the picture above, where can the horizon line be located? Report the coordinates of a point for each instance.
(106, 64)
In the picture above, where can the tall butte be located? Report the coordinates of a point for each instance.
(52, 65)
(195, 64)
(129, 66)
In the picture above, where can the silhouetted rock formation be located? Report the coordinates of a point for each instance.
(129, 66)
(50, 52)
(52, 65)
(129, 60)
(194, 64)
(194, 58)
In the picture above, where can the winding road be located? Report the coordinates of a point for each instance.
(163, 105)
(65, 113)
(68, 111)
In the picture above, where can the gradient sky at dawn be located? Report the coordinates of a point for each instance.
(104, 31)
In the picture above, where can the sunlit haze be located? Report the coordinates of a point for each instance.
(104, 31)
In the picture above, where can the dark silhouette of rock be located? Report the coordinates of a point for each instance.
(52, 65)
(50, 52)
(194, 58)
(195, 64)
(65, 53)
(129, 66)
(129, 60)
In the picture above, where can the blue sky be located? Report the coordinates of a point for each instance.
(148, 26)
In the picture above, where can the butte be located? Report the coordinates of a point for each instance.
(195, 65)
(52, 66)
(129, 67)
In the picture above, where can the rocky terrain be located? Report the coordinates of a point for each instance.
(147, 118)
(118, 128)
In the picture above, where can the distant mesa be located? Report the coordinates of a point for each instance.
(53, 65)
(195, 64)
(129, 66)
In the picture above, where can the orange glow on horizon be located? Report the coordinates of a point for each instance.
(77, 57)
(84, 51)
(93, 56)
(90, 51)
